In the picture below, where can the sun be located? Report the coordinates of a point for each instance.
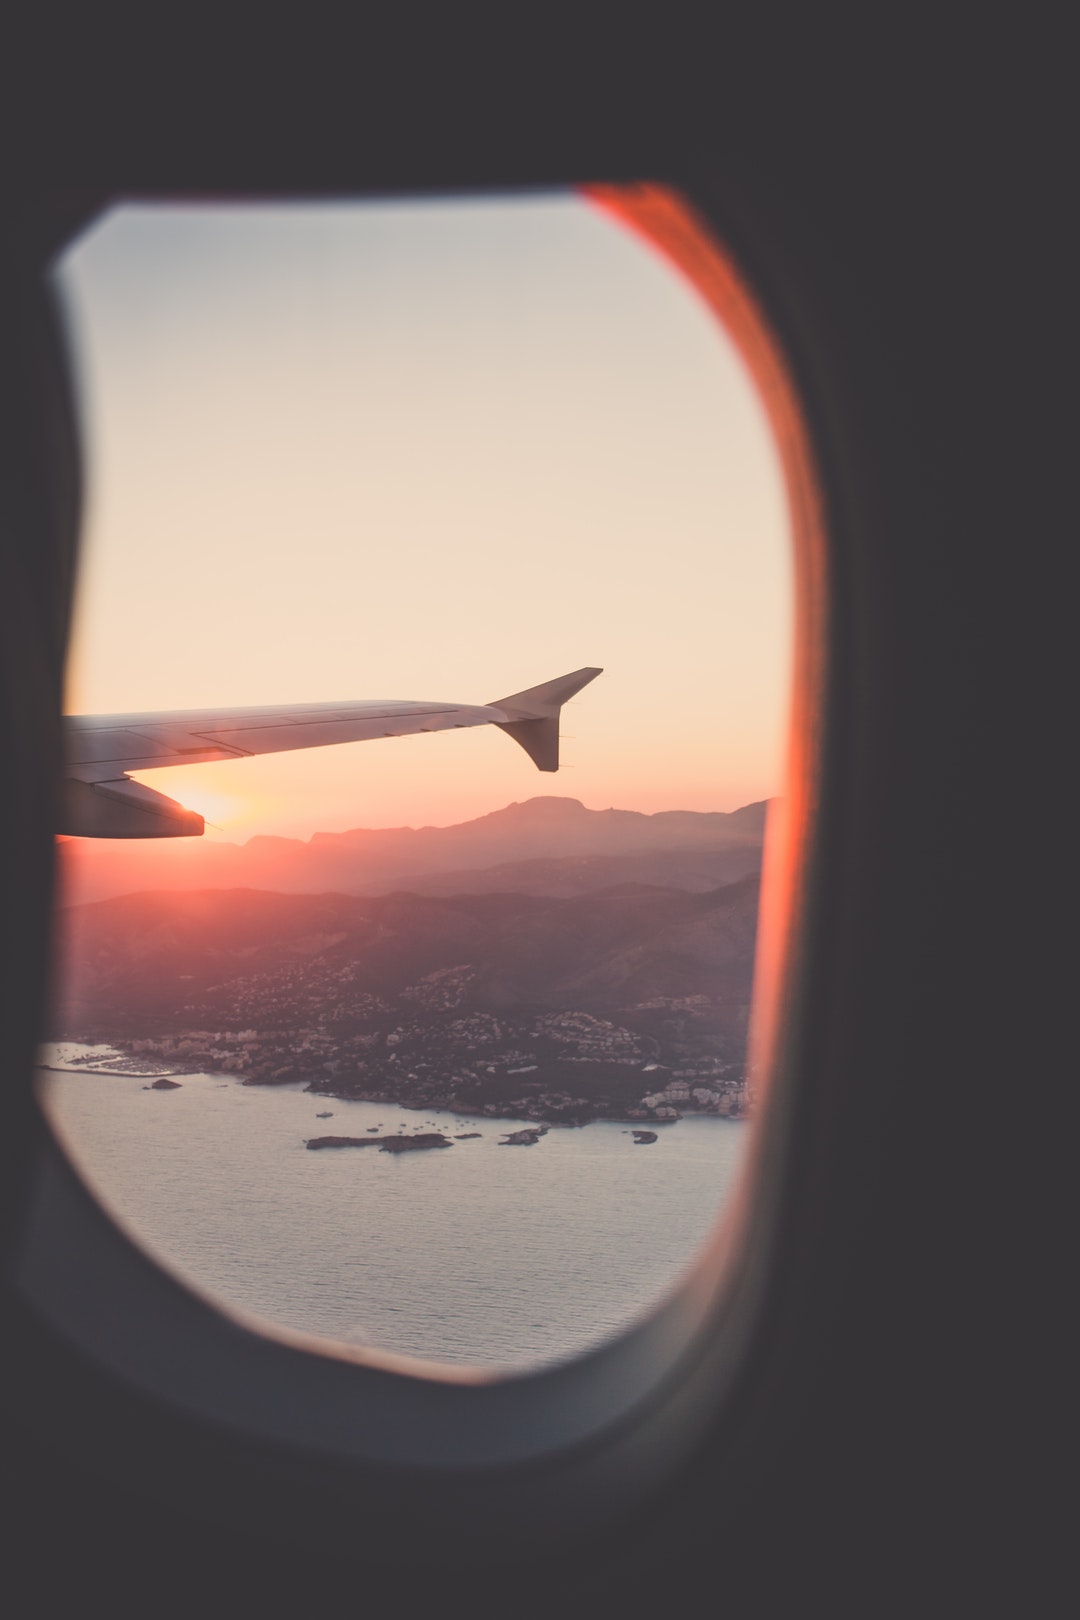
(222, 812)
(219, 810)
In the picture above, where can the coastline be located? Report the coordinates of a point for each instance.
(121, 1074)
(598, 1091)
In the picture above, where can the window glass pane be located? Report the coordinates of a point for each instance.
(435, 452)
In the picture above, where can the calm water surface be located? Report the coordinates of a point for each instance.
(511, 1256)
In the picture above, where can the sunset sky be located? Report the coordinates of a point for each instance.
(443, 449)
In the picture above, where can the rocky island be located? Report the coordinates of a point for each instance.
(385, 1144)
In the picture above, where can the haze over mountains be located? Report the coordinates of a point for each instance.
(245, 957)
(547, 846)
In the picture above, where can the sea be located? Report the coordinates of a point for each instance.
(482, 1254)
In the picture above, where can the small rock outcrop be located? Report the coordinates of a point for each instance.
(163, 1085)
(407, 1144)
(317, 1142)
(526, 1138)
(386, 1144)
(642, 1138)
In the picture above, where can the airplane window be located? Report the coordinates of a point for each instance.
(366, 1023)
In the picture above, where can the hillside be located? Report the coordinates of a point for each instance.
(630, 1002)
(226, 957)
(627, 1002)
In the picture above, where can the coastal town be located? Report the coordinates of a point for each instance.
(432, 1047)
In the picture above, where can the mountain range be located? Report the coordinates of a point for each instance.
(546, 846)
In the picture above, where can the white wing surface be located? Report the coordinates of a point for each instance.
(101, 801)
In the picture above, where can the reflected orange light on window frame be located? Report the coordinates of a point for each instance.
(665, 222)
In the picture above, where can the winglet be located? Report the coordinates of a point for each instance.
(532, 717)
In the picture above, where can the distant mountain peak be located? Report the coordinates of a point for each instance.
(544, 806)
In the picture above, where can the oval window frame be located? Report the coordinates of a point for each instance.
(612, 1422)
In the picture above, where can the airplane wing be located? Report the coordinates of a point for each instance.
(101, 801)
